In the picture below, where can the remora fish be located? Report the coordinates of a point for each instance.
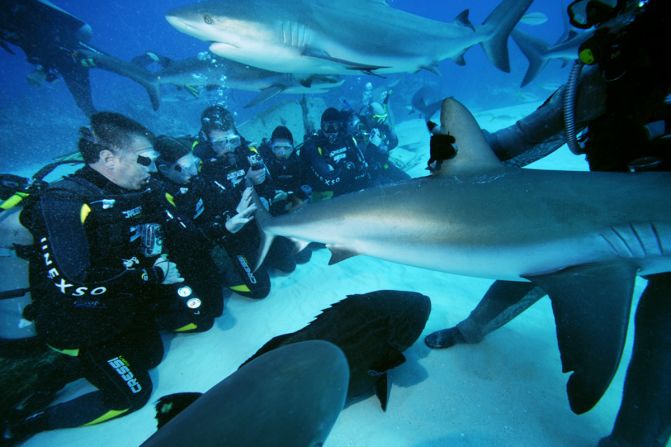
(372, 329)
(581, 236)
(289, 397)
(317, 36)
(207, 71)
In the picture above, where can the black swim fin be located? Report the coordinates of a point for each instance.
(591, 305)
(171, 405)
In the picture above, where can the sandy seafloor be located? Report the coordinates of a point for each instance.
(507, 391)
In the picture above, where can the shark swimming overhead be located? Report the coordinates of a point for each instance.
(347, 37)
(571, 233)
(207, 71)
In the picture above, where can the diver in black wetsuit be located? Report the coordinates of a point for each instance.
(97, 272)
(187, 242)
(334, 163)
(231, 167)
(631, 133)
(372, 127)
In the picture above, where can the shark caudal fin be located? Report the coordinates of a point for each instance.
(97, 59)
(534, 50)
(497, 27)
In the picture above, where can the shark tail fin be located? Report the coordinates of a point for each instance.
(533, 49)
(262, 219)
(167, 407)
(497, 27)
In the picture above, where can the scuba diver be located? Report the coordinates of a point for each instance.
(334, 163)
(97, 271)
(56, 43)
(232, 169)
(623, 105)
(188, 246)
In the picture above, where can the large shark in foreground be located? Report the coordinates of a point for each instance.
(581, 236)
(289, 397)
(346, 37)
(372, 329)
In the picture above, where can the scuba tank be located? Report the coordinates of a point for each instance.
(16, 244)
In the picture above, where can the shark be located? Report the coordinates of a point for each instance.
(207, 71)
(291, 396)
(350, 37)
(372, 329)
(583, 237)
(539, 53)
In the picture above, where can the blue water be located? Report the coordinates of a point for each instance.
(39, 123)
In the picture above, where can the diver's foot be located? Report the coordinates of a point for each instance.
(444, 338)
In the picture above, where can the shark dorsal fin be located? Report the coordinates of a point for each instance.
(473, 153)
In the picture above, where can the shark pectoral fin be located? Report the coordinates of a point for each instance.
(431, 68)
(459, 59)
(350, 65)
(266, 94)
(591, 306)
(339, 254)
(382, 390)
(307, 82)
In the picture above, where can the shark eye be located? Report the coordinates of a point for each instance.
(208, 19)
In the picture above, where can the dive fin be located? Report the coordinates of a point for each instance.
(266, 94)
(340, 254)
(123, 68)
(382, 390)
(167, 407)
(591, 305)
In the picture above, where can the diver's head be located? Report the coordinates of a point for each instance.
(331, 124)
(176, 162)
(282, 142)
(119, 148)
(218, 128)
(611, 20)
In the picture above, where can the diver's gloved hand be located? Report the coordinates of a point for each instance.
(245, 212)
(442, 147)
(375, 137)
(166, 271)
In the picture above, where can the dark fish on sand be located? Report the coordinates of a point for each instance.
(372, 329)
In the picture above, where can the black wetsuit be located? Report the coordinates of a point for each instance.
(189, 247)
(50, 39)
(93, 294)
(287, 175)
(334, 168)
(636, 85)
(382, 171)
(223, 184)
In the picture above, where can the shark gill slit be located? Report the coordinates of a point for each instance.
(658, 239)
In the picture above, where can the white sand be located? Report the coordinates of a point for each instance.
(506, 391)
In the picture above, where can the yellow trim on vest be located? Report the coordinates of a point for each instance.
(14, 200)
(106, 417)
(188, 327)
(321, 195)
(170, 199)
(194, 144)
(253, 149)
(84, 212)
(320, 150)
(240, 288)
(70, 352)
